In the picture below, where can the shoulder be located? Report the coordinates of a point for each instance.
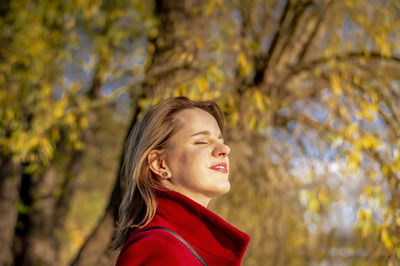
(154, 247)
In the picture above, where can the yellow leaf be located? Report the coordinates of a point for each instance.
(350, 130)
(58, 111)
(337, 89)
(323, 196)
(398, 252)
(369, 191)
(243, 64)
(259, 101)
(368, 141)
(55, 134)
(386, 239)
(235, 117)
(372, 176)
(202, 84)
(313, 203)
(83, 122)
(343, 111)
(354, 160)
(253, 122)
(70, 119)
(10, 114)
(385, 170)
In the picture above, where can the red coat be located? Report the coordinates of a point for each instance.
(216, 241)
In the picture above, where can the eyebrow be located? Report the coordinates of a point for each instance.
(204, 132)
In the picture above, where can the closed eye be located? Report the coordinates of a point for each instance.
(201, 142)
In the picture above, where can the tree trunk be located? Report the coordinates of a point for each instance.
(96, 246)
(10, 181)
(95, 249)
(166, 72)
(36, 237)
(67, 191)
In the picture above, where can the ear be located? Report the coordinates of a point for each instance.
(157, 164)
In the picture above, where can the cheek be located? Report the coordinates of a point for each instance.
(179, 161)
(190, 161)
(199, 162)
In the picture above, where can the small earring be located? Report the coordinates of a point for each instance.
(164, 174)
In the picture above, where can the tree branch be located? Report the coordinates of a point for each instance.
(314, 32)
(262, 61)
(344, 57)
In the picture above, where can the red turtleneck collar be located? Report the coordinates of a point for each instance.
(215, 240)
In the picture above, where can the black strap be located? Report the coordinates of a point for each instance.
(178, 237)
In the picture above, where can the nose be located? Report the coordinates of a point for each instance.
(221, 150)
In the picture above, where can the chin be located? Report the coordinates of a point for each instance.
(223, 188)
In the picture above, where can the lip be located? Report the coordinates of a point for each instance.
(221, 167)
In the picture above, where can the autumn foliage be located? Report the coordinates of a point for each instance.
(310, 90)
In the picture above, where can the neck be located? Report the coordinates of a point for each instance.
(197, 197)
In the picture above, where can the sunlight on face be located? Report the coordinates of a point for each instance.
(197, 157)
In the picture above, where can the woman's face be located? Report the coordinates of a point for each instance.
(197, 158)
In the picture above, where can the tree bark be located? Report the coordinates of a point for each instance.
(166, 72)
(10, 181)
(37, 238)
(67, 191)
(95, 249)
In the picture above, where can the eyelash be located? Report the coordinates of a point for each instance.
(201, 142)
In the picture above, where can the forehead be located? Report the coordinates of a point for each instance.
(196, 119)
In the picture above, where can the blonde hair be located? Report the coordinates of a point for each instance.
(138, 205)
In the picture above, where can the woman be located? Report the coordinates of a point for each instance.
(175, 163)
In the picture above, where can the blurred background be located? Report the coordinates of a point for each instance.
(311, 94)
